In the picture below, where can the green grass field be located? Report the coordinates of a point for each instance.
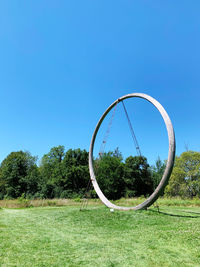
(66, 236)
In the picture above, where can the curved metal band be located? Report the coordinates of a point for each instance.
(170, 161)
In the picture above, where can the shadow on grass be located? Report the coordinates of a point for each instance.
(177, 215)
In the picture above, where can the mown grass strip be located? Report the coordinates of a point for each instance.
(64, 236)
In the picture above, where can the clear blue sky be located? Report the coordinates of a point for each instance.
(62, 63)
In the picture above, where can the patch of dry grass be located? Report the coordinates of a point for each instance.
(163, 201)
(22, 203)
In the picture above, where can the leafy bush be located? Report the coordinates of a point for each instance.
(24, 202)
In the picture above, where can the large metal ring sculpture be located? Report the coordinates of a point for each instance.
(170, 161)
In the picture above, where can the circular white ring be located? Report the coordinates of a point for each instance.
(170, 161)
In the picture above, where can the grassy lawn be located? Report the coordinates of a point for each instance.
(65, 236)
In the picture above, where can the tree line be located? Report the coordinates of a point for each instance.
(65, 174)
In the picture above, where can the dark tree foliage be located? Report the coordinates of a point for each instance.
(66, 175)
(18, 175)
(109, 174)
(157, 172)
(52, 173)
(75, 164)
(123, 179)
(137, 177)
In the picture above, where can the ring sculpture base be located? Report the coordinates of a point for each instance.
(170, 161)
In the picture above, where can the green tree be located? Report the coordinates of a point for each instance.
(18, 175)
(185, 178)
(64, 174)
(109, 173)
(52, 173)
(157, 172)
(137, 177)
(75, 164)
